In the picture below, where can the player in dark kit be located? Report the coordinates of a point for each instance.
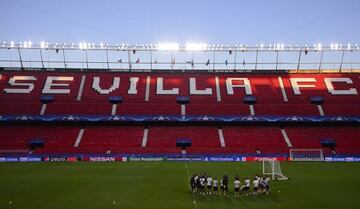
(197, 183)
(193, 183)
(226, 183)
(222, 192)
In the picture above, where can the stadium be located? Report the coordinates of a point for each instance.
(126, 112)
(100, 125)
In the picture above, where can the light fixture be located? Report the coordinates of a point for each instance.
(196, 46)
(83, 45)
(319, 46)
(168, 46)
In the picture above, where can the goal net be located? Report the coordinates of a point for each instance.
(272, 167)
(306, 155)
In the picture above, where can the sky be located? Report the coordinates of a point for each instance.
(207, 21)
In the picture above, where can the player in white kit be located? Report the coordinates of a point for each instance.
(256, 183)
(246, 186)
(236, 187)
(209, 184)
(215, 186)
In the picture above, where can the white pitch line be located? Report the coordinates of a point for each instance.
(188, 176)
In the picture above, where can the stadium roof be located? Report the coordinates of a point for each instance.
(173, 56)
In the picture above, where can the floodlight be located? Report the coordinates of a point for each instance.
(319, 46)
(168, 46)
(83, 45)
(196, 46)
(277, 46)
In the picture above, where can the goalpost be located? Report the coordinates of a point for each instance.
(272, 167)
(306, 155)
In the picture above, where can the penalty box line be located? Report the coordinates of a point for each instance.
(188, 178)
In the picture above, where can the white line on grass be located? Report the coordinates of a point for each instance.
(188, 177)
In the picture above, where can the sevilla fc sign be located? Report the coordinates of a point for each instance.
(177, 84)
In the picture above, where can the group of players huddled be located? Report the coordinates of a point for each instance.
(205, 184)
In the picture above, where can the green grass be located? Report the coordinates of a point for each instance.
(164, 185)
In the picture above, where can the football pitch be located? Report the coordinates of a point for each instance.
(164, 185)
